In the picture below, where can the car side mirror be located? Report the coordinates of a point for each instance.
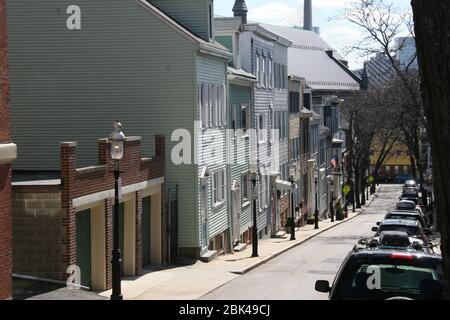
(323, 286)
(378, 223)
(375, 229)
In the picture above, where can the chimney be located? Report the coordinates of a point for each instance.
(240, 10)
(307, 19)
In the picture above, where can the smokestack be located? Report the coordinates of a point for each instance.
(240, 10)
(307, 19)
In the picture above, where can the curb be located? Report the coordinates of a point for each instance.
(274, 255)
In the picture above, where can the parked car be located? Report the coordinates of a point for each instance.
(410, 184)
(406, 205)
(414, 199)
(407, 215)
(393, 270)
(411, 227)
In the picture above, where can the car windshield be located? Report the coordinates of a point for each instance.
(401, 216)
(410, 230)
(394, 216)
(384, 278)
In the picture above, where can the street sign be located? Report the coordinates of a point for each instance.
(346, 189)
(370, 179)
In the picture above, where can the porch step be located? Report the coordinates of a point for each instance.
(280, 234)
(208, 256)
(240, 247)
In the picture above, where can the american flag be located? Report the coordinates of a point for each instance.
(334, 161)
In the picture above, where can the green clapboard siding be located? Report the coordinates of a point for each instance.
(212, 71)
(83, 234)
(226, 41)
(239, 96)
(125, 63)
(193, 14)
(146, 212)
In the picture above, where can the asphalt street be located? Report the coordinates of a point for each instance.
(292, 275)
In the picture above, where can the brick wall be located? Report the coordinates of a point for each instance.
(5, 170)
(78, 183)
(37, 233)
(45, 219)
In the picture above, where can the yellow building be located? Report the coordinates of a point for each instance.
(397, 165)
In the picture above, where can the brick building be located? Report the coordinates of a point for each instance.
(7, 155)
(64, 218)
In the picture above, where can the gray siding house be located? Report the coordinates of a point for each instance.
(77, 66)
(328, 82)
(240, 115)
(258, 57)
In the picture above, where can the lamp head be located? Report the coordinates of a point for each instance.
(117, 140)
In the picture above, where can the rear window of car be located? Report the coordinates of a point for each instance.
(387, 278)
(401, 216)
(410, 230)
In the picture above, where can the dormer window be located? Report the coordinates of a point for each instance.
(211, 20)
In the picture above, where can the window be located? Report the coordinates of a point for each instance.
(257, 72)
(387, 169)
(261, 127)
(307, 100)
(269, 69)
(210, 106)
(294, 102)
(245, 187)
(244, 117)
(263, 73)
(211, 17)
(223, 105)
(218, 184)
(397, 169)
(203, 104)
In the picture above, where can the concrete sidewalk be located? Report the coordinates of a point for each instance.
(193, 281)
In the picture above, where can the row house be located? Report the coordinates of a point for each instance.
(264, 54)
(80, 65)
(240, 114)
(8, 152)
(327, 81)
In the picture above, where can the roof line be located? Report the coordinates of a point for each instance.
(344, 67)
(205, 46)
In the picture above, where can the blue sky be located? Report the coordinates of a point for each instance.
(326, 14)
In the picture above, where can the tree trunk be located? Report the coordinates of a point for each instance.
(412, 160)
(357, 189)
(432, 29)
(363, 187)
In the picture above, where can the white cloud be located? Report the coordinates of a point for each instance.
(330, 3)
(272, 12)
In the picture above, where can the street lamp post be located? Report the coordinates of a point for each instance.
(292, 223)
(316, 210)
(332, 199)
(254, 179)
(117, 140)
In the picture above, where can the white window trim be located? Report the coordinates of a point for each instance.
(218, 192)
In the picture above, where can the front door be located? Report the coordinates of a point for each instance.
(236, 207)
(146, 227)
(204, 216)
(83, 235)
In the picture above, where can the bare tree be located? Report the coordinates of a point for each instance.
(373, 116)
(432, 27)
(382, 23)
